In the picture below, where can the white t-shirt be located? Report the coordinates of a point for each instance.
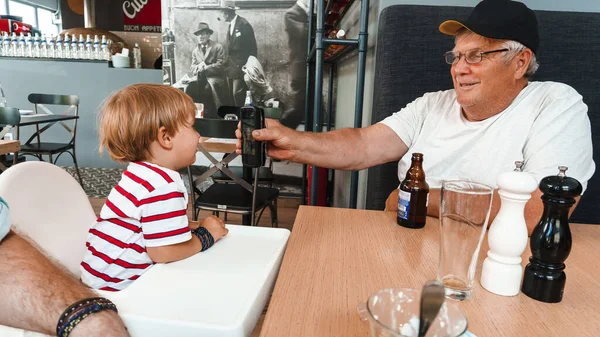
(147, 208)
(545, 126)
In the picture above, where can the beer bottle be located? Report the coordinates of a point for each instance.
(413, 195)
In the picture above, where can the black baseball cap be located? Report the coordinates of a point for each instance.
(500, 19)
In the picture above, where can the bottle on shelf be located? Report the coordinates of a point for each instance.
(96, 55)
(2, 97)
(58, 48)
(21, 46)
(14, 45)
(333, 50)
(89, 48)
(81, 47)
(109, 43)
(74, 48)
(3, 44)
(67, 47)
(28, 45)
(413, 195)
(137, 56)
(105, 55)
(36, 46)
(44, 47)
(51, 47)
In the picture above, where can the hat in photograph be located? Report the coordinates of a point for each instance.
(500, 19)
(203, 26)
(228, 4)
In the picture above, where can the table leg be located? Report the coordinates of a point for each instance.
(247, 176)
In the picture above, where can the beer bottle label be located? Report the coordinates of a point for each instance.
(403, 204)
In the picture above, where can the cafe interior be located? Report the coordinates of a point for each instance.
(379, 204)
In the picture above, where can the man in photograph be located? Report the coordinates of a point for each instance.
(208, 69)
(241, 43)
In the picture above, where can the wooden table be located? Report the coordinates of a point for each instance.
(336, 258)
(6, 147)
(218, 145)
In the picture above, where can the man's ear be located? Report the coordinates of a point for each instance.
(164, 139)
(522, 61)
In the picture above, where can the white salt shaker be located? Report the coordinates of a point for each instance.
(502, 271)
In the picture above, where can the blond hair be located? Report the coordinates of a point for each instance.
(130, 119)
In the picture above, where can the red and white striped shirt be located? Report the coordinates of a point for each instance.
(147, 208)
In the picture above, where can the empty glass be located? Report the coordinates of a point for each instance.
(464, 214)
(395, 313)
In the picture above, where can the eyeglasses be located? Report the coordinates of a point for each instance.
(472, 56)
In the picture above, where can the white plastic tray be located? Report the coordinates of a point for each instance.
(217, 293)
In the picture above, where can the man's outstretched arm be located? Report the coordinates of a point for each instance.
(34, 293)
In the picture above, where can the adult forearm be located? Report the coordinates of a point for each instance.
(341, 149)
(34, 292)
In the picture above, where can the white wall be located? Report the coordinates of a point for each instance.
(346, 81)
(50, 4)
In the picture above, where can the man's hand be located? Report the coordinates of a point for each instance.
(215, 226)
(391, 204)
(281, 141)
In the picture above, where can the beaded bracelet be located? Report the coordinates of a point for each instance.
(206, 239)
(77, 311)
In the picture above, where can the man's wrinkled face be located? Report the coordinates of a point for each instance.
(478, 85)
(203, 37)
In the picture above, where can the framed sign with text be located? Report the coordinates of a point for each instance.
(141, 16)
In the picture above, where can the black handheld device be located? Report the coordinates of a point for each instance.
(254, 153)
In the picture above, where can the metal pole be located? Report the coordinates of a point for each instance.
(330, 96)
(89, 8)
(307, 115)
(360, 88)
(318, 118)
(329, 113)
(338, 42)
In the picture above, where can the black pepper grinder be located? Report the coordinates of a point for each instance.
(550, 242)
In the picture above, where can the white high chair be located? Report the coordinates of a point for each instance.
(220, 292)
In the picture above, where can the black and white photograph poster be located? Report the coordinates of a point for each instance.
(216, 51)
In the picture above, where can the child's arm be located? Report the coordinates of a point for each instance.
(176, 252)
(182, 250)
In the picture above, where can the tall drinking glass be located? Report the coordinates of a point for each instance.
(464, 214)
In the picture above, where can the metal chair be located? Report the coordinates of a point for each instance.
(39, 148)
(229, 196)
(9, 118)
(265, 173)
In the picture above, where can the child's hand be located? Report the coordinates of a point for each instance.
(215, 226)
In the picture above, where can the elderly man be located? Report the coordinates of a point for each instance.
(493, 117)
(208, 65)
(241, 44)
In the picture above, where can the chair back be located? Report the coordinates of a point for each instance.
(50, 99)
(9, 116)
(40, 102)
(216, 128)
(50, 207)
